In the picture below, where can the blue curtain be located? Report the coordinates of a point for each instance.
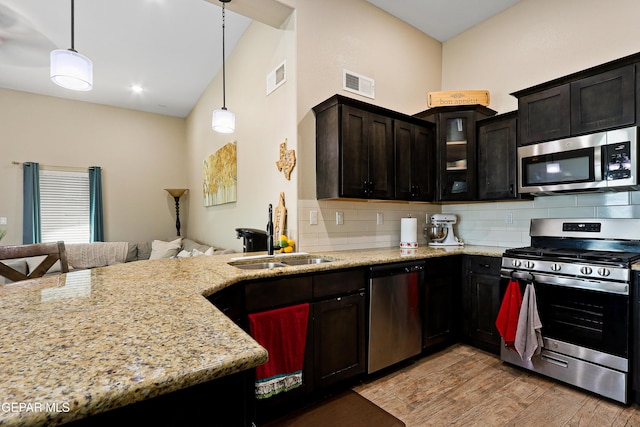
(95, 204)
(31, 203)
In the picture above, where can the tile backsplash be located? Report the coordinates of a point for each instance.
(504, 224)
(360, 228)
(507, 223)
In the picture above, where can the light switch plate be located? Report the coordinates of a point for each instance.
(339, 218)
(313, 217)
(379, 218)
(3, 220)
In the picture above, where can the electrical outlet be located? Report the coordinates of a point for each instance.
(313, 217)
(508, 218)
(3, 220)
(339, 218)
(379, 218)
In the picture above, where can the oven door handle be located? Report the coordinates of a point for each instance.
(570, 282)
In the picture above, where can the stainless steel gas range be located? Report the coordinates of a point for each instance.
(581, 271)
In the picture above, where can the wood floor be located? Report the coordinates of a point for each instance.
(464, 386)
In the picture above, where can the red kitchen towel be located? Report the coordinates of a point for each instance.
(283, 333)
(507, 321)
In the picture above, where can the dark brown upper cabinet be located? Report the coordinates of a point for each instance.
(544, 115)
(455, 152)
(413, 161)
(592, 100)
(359, 148)
(606, 100)
(497, 163)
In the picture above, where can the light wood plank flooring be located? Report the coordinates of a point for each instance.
(464, 386)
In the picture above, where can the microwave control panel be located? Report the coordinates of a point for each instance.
(617, 161)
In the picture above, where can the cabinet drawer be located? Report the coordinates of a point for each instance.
(340, 283)
(276, 293)
(480, 264)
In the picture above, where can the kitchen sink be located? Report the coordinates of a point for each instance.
(278, 262)
(258, 265)
(304, 261)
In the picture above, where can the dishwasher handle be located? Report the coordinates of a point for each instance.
(395, 269)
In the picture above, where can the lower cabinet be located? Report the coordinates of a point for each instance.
(335, 346)
(441, 302)
(460, 301)
(339, 340)
(481, 301)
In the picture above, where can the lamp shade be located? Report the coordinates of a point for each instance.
(223, 121)
(71, 70)
(176, 192)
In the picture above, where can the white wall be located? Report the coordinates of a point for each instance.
(141, 154)
(532, 42)
(538, 40)
(405, 63)
(262, 123)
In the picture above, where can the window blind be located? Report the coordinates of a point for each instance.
(64, 206)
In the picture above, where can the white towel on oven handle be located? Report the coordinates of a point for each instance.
(528, 340)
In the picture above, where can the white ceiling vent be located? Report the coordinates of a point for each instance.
(359, 84)
(277, 77)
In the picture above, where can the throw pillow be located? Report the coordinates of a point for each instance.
(161, 249)
(183, 254)
(35, 261)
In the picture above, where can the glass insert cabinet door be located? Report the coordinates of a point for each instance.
(456, 149)
(456, 156)
(456, 144)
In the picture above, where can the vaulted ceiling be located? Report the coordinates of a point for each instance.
(171, 49)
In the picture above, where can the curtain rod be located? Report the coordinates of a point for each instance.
(58, 168)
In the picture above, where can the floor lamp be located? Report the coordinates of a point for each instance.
(176, 193)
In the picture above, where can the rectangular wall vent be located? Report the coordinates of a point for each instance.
(356, 83)
(277, 77)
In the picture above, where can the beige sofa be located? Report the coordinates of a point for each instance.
(100, 254)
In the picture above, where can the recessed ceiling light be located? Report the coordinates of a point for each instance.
(136, 89)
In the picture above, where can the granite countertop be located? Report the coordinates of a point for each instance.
(88, 341)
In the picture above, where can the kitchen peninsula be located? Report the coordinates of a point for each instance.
(89, 341)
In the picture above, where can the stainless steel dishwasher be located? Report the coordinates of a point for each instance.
(395, 322)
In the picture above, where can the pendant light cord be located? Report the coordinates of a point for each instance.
(224, 84)
(72, 26)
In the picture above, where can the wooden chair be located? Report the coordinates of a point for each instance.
(52, 251)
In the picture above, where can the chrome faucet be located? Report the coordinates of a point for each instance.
(270, 246)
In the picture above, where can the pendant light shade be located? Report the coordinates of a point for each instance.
(70, 69)
(223, 120)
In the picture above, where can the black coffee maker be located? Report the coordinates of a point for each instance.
(254, 240)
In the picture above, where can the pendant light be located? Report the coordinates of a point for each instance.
(223, 120)
(70, 69)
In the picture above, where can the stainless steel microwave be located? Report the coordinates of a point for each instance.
(604, 161)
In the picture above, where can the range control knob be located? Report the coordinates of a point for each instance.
(585, 270)
(529, 264)
(516, 263)
(604, 272)
(555, 267)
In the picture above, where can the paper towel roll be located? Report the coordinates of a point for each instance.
(408, 232)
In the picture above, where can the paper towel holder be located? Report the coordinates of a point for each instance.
(408, 233)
